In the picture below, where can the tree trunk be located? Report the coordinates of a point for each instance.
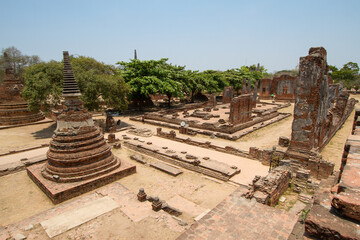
(169, 101)
(192, 97)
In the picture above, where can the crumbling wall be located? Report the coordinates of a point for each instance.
(284, 87)
(212, 100)
(265, 88)
(267, 190)
(309, 112)
(319, 112)
(240, 109)
(228, 94)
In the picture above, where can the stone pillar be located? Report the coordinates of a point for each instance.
(255, 93)
(266, 157)
(240, 109)
(159, 131)
(311, 104)
(212, 100)
(244, 89)
(228, 94)
(254, 152)
(249, 86)
(111, 138)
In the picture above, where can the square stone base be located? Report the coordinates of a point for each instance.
(59, 192)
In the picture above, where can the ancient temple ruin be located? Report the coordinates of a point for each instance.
(241, 109)
(78, 159)
(319, 112)
(13, 108)
(282, 87)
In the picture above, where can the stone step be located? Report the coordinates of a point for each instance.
(305, 198)
(166, 168)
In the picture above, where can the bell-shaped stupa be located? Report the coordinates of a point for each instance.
(13, 108)
(78, 159)
(78, 150)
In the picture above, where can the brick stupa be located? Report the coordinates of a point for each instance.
(13, 108)
(78, 160)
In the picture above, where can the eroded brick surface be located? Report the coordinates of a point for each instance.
(13, 108)
(240, 218)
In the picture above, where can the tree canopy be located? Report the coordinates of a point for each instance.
(148, 77)
(18, 61)
(99, 83)
(348, 75)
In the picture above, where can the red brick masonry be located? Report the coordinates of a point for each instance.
(59, 192)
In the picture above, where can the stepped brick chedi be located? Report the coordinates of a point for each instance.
(78, 159)
(13, 108)
(78, 150)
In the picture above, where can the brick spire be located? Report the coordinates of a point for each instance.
(8, 68)
(70, 87)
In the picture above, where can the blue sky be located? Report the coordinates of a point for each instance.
(201, 34)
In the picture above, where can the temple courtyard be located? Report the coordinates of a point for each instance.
(206, 203)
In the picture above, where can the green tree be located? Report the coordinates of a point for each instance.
(18, 62)
(236, 76)
(147, 77)
(348, 75)
(99, 83)
(43, 85)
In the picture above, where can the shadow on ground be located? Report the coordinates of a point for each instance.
(45, 133)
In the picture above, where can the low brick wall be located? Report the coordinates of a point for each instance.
(267, 190)
(191, 165)
(204, 144)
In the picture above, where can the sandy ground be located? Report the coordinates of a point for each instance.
(25, 137)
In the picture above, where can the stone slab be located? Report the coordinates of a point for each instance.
(201, 215)
(70, 219)
(136, 210)
(185, 206)
(166, 168)
(59, 192)
(138, 158)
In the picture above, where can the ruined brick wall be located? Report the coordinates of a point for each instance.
(212, 100)
(10, 90)
(284, 87)
(320, 110)
(240, 109)
(265, 90)
(267, 190)
(228, 94)
(333, 95)
(311, 101)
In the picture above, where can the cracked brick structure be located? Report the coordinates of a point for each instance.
(240, 109)
(13, 108)
(78, 159)
(284, 87)
(335, 213)
(228, 94)
(316, 116)
(265, 88)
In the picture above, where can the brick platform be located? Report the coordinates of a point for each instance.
(59, 192)
(240, 218)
